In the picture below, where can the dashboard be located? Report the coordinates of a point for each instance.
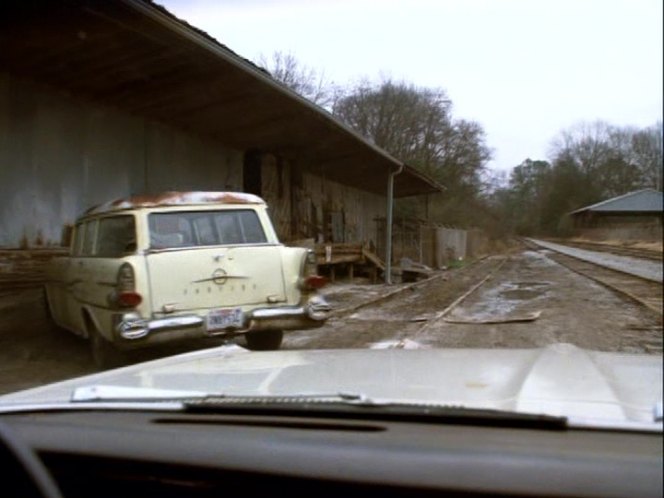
(127, 454)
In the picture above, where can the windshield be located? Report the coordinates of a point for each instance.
(464, 202)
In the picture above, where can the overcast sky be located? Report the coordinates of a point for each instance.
(524, 69)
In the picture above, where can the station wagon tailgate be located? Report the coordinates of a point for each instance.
(217, 277)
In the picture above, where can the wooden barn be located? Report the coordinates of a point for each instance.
(102, 99)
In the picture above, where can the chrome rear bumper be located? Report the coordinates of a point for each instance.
(316, 309)
(131, 327)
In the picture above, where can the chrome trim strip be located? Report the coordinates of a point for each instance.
(171, 406)
(137, 328)
(267, 313)
(176, 322)
(212, 279)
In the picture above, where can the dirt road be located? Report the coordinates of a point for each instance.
(571, 308)
(562, 306)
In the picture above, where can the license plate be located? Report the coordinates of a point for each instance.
(225, 318)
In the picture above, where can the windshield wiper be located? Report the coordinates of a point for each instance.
(358, 406)
(343, 405)
(101, 393)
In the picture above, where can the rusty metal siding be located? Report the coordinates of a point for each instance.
(451, 245)
(59, 156)
(183, 162)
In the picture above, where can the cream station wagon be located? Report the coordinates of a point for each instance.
(182, 265)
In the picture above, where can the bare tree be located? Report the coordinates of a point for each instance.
(646, 148)
(416, 126)
(397, 117)
(590, 162)
(614, 160)
(302, 79)
(587, 144)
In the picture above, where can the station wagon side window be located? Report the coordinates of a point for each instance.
(88, 245)
(116, 236)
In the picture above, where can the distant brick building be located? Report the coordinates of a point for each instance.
(632, 216)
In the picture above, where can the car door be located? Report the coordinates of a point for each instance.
(115, 240)
(78, 276)
(57, 289)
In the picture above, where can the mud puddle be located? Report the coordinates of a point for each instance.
(502, 301)
(542, 303)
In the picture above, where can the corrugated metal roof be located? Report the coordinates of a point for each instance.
(135, 56)
(641, 201)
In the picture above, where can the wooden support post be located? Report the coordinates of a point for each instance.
(350, 273)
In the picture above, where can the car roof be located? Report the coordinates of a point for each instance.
(194, 198)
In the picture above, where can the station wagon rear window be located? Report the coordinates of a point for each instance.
(205, 228)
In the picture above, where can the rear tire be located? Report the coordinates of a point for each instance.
(264, 340)
(104, 353)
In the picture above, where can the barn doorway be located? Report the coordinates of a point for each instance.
(252, 177)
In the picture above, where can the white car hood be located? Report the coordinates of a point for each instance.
(595, 388)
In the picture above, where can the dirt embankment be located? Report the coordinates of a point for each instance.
(568, 308)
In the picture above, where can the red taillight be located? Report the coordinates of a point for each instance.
(309, 280)
(125, 295)
(314, 282)
(129, 299)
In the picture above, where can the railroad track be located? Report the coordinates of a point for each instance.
(643, 291)
(347, 310)
(435, 319)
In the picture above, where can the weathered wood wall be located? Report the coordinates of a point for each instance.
(614, 226)
(276, 191)
(331, 212)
